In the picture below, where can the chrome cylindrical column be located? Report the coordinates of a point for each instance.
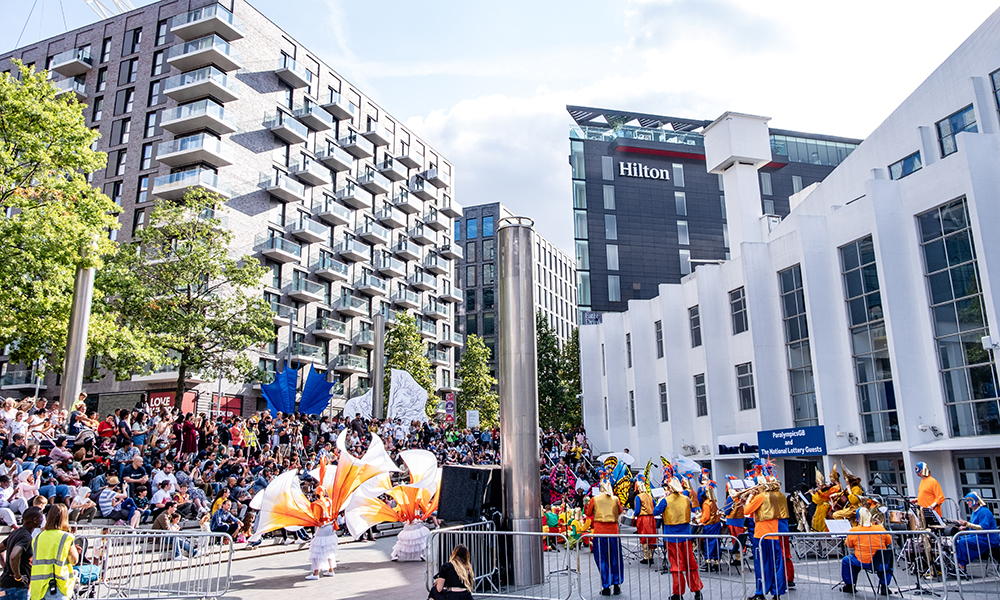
(76, 340)
(378, 368)
(518, 379)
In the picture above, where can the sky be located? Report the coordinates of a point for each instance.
(487, 84)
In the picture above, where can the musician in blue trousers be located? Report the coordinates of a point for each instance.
(970, 547)
(604, 509)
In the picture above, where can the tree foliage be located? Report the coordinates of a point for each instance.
(404, 350)
(51, 222)
(557, 403)
(571, 378)
(476, 391)
(178, 281)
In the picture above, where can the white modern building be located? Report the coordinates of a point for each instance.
(862, 313)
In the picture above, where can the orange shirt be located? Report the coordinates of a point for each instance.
(760, 528)
(930, 492)
(865, 546)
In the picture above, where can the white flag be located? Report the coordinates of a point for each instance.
(406, 398)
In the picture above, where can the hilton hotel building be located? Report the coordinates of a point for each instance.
(350, 211)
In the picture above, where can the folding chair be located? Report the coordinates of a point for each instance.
(882, 562)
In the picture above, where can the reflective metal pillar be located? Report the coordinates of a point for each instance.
(518, 378)
(378, 368)
(76, 340)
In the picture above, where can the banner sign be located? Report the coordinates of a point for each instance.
(472, 419)
(449, 407)
(798, 441)
(157, 400)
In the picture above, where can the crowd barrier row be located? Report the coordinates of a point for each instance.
(808, 566)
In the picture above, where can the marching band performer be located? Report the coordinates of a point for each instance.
(735, 520)
(969, 548)
(821, 498)
(645, 523)
(929, 494)
(766, 508)
(676, 511)
(711, 521)
(854, 497)
(604, 510)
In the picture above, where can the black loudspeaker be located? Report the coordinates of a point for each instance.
(464, 492)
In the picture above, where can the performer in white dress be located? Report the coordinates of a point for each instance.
(323, 552)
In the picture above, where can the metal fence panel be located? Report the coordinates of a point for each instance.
(981, 579)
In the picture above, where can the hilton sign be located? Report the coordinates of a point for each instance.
(641, 171)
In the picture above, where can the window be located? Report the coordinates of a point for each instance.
(796, 184)
(579, 194)
(700, 396)
(138, 220)
(628, 350)
(614, 289)
(610, 227)
(664, 414)
(98, 108)
(659, 339)
(488, 250)
(470, 229)
(122, 157)
(114, 191)
(608, 168)
(106, 50)
(995, 79)
(289, 96)
(604, 364)
(682, 233)
(583, 288)
(963, 120)
(767, 205)
(488, 226)
(580, 224)
(147, 157)
(471, 325)
(744, 386)
(685, 259)
(576, 160)
(470, 251)
(694, 322)
(738, 310)
(161, 33)
(458, 230)
(869, 342)
(159, 63)
(809, 151)
(889, 475)
(124, 100)
(612, 257)
(142, 190)
(725, 235)
(631, 407)
(128, 71)
(123, 127)
(678, 175)
(797, 350)
(102, 79)
(968, 372)
(765, 184)
(489, 273)
(470, 275)
(681, 204)
(489, 323)
(489, 300)
(609, 197)
(605, 413)
(722, 202)
(906, 166)
(152, 128)
(132, 41)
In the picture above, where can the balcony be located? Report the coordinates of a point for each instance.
(373, 233)
(410, 160)
(407, 202)
(423, 235)
(193, 149)
(336, 158)
(283, 314)
(162, 374)
(351, 306)
(304, 290)
(422, 189)
(365, 339)
(436, 221)
(279, 249)
(456, 339)
(339, 107)
(450, 294)
(348, 363)
(450, 386)
(330, 212)
(390, 267)
(406, 299)
(390, 318)
(355, 196)
(314, 117)
(378, 135)
(375, 182)
(329, 269)
(72, 62)
(407, 250)
(175, 185)
(370, 285)
(286, 127)
(391, 218)
(428, 329)
(309, 231)
(358, 146)
(452, 251)
(311, 172)
(204, 114)
(285, 188)
(206, 20)
(436, 310)
(392, 170)
(436, 177)
(439, 358)
(329, 329)
(22, 380)
(449, 208)
(353, 250)
(71, 86)
(207, 81)
(436, 264)
(424, 282)
(203, 52)
(293, 73)
(302, 353)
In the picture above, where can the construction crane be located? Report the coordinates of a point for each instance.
(104, 12)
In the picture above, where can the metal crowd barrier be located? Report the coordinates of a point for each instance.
(154, 565)
(982, 571)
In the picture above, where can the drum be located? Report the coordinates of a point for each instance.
(627, 519)
(912, 523)
(897, 516)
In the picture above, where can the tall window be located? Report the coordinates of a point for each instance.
(889, 476)
(132, 41)
(608, 168)
(488, 226)
(744, 386)
(903, 167)
(678, 175)
(631, 407)
(106, 50)
(142, 190)
(147, 157)
(869, 344)
(471, 232)
(614, 288)
(102, 79)
(765, 184)
(470, 300)
(682, 233)
(610, 227)
(685, 260)
(609, 197)
(700, 396)
(98, 109)
(612, 257)
(738, 310)
(797, 349)
(628, 350)
(963, 120)
(161, 33)
(664, 413)
(968, 372)
(680, 204)
(658, 326)
(796, 184)
(470, 325)
(694, 319)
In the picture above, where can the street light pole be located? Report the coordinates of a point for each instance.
(76, 340)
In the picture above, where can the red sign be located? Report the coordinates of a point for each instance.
(449, 418)
(232, 406)
(157, 400)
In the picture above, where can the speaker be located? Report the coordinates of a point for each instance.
(465, 491)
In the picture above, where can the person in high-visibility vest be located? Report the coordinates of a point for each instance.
(53, 556)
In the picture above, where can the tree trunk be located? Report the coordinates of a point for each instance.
(181, 376)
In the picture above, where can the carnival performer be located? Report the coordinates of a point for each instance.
(855, 496)
(676, 511)
(821, 498)
(970, 547)
(711, 521)
(929, 494)
(604, 510)
(869, 554)
(766, 508)
(642, 506)
(562, 482)
(735, 520)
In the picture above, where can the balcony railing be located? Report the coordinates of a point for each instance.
(370, 281)
(204, 75)
(280, 244)
(71, 85)
(72, 62)
(195, 177)
(428, 327)
(282, 311)
(222, 54)
(208, 149)
(199, 21)
(18, 378)
(306, 350)
(304, 285)
(206, 110)
(327, 263)
(583, 132)
(350, 361)
(328, 206)
(293, 73)
(330, 324)
(352, 304)
(407, 297)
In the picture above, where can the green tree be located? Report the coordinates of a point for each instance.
(404, 350)
(52, 222)
(476, 391)
(570, 366)
(551, 389)
(178, 281)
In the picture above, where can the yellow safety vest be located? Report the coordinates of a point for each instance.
(50, 560)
